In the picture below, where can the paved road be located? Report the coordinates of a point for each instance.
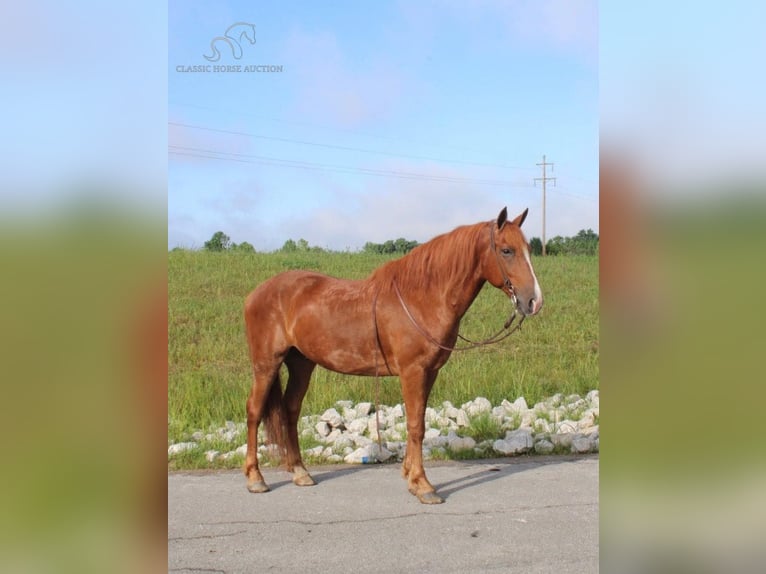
(518, 515)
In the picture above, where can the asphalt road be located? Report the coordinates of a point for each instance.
(518, 515)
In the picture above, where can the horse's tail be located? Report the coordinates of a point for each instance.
(275, 418)
(216, 55)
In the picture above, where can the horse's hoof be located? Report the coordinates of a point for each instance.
(304, 480)
(430, 498)
(258, 487)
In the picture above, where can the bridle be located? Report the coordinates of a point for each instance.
(497, 337)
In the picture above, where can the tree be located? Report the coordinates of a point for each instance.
(536, 246)
(243, 247)
(290, 246)
(219, 242)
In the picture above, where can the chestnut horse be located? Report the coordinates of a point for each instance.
(402, 320)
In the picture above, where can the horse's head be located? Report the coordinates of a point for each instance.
(507, 264)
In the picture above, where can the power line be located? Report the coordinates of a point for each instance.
(343, 130)
(344, 148)
(266, 160)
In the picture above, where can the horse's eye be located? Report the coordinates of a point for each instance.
(507, 251)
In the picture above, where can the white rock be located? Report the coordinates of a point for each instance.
(334, 435)
(397, 411)
(587, 420)
(431, 415)
(515, 442)
(451, 412)
(363, 409)
(498, 412)
(478, 405)
(381, 454)
(554, 401)
(372, 425)
(566, 426)
(349, 414)
(327, 453)
(332, 418)
(210, 455)
(544, 447)
(520, 405)
(361, 441)
(315, 452)
(541, 425)
(462, 418)
(458, 443)
(322, 428)
(197, 436)
(592, 432)
(230, 425)
(562, 440)
(431, 433)
(334, 458)
(581, 444)
(577, 404)
(358, 426)
(527, 419)
(180, 447)
(345, 404)
(241, 450)
(503, 447)
(344, 440)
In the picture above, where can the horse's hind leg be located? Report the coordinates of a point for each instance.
(300, 369)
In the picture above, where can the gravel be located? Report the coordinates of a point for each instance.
(349, 433)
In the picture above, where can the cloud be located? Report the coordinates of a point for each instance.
(568, 28)
(331, 88)
(390, 208)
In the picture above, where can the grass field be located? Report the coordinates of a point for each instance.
(209, 371)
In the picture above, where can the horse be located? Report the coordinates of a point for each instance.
(402, 320)
(241, 30)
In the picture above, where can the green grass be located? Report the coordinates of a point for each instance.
(209, 371)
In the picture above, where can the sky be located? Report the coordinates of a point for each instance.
(387, 120)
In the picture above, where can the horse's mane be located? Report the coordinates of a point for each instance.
(438, 261)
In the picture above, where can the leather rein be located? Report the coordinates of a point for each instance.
(497, 337)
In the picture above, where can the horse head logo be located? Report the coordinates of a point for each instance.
(233, 36)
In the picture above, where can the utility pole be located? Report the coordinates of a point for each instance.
(545, 179)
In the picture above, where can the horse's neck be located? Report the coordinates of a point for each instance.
(452, 297)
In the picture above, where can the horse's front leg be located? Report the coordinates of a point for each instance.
(416, 386)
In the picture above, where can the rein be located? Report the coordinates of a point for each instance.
(496, 338)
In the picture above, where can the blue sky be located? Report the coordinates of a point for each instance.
(389, 119)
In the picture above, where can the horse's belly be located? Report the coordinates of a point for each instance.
(341, 360)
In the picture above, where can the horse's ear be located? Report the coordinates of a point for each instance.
(520, 219)
(502, 218)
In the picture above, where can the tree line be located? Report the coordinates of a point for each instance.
(584, 243)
